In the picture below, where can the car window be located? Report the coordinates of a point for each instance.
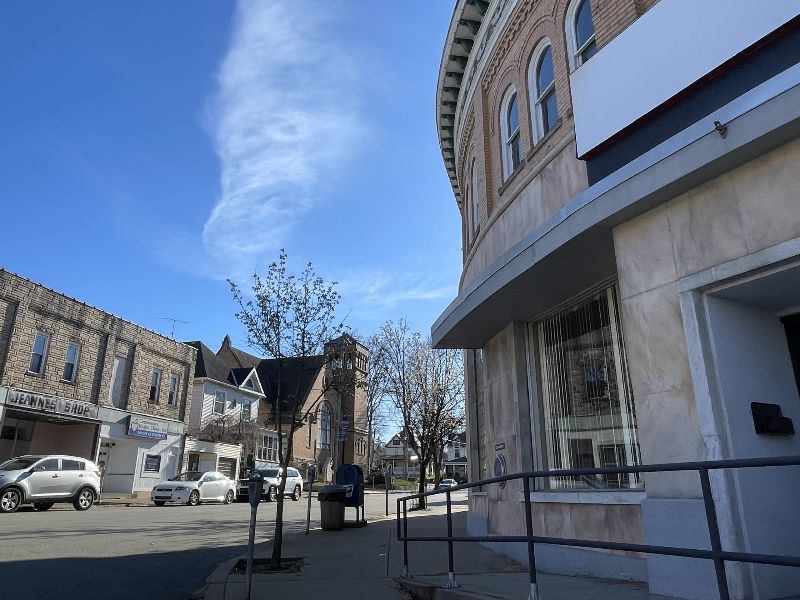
(188, 476)
(269, 473)
(72, 465)
(18, 464)
(50, 464)
(293, 473)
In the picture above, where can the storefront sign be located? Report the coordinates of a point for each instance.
(149, 428)
(51, 404)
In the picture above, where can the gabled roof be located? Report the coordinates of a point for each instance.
(208, 365)
(297, 374)
(213, 367)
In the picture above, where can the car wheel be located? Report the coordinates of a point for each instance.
(84, 499)
(10, 500)
(298, 492)
(229, 497)
(194, 498)
(43, 505)
(272, 494)
(159, 502)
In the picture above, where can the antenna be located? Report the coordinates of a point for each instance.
(172, 331)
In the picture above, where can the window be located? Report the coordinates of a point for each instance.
(588, 412)
(155, 385)
(152, 463)
(117, 379)
(325, 427)
(473, 200)
(509, 128)
(219, 402)
(232, 403)
(51, 464)
(39, 353)
(174, 384)
(308, 431)
(580, 33)
(247, 409)
(71, 362)
(272, 449)
(543, 90)
(72, 465)
(292, 473)
(249, 384)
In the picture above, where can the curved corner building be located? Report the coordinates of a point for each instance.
(627, 175)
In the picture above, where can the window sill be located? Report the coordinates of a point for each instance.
(34, 374)
(586, 497)
(538, 145)
(67, 381)
(510, 179)
(479, 493)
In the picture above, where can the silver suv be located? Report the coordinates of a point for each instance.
(294, 484)
(45, 480)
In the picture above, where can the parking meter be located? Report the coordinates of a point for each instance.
(311, 476)
(255, 489)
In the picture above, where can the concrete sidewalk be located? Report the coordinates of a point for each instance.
(367, 563)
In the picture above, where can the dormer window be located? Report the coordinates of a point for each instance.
(249, 384)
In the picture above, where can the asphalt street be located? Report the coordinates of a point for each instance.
(136, 552)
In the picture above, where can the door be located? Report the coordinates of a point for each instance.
(210, 490)
(73, 475)
(45, 480)
(194, 462)
(227, 466)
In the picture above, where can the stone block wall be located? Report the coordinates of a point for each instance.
(27, 307)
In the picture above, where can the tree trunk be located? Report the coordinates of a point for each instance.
(423, 502)
(277, 543)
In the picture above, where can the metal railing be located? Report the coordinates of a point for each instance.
(716, 554)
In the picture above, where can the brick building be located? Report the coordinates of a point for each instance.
(626, 173)
(77, 380)
(335, 428)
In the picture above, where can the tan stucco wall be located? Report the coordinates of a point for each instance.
(741, 212)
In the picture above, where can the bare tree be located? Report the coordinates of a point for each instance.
(290, 318)
(375, 387)
(427, 388)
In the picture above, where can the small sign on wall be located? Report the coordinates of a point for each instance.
(144, 427)
(152, 463)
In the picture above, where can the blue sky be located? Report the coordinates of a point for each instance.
(150, 150)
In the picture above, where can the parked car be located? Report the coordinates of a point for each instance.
(44, 480)
(194, 487)
(294, 484)
(445, 484)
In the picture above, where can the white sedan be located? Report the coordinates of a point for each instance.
(194, 487)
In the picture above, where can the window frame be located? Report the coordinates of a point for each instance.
(575, 54)
(324, 433)
(508, 138)
(224, 396)
(44, 353)
(155, 398)
(74, 375)
(539, 97)
(172, 400)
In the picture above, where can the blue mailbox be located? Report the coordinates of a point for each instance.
(352, 477)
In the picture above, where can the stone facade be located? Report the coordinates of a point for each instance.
(685, 235)
(28, 309)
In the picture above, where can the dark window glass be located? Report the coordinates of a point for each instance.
(515, 152)
(584, 29)
(549, 111)
(589, 51)
(37, 355)
(18, 464)
(72, 465)
(512, 116)
(544, 75)
(51, 464)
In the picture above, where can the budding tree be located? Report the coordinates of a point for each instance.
(290, 318)
(427, 388)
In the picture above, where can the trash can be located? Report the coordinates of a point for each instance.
(332, 500)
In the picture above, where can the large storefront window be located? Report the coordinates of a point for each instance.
(588, 413)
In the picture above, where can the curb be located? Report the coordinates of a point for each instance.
(427, 591)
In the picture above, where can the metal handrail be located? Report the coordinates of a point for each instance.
(716, 554)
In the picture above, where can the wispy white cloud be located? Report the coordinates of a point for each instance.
(284, 117)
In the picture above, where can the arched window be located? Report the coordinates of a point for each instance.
(325, 427)
(509, 128)
(541, 80)
(474, 198)
(580, 33)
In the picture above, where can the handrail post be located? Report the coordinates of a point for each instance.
(451, 575)
(713, 531)
(526, 490)
(405, 574)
